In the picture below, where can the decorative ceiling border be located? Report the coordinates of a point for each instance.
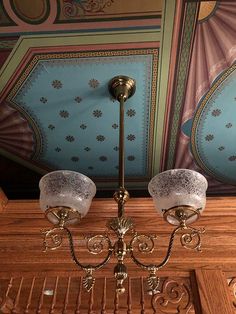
(93, 19)
(190, 14)
(168, 16)
(24, 44)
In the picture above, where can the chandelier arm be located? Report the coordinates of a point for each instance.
(155, 267)
(88, 267)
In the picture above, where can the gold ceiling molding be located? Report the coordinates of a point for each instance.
(206, 9)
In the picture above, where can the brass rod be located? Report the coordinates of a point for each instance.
(121, 145)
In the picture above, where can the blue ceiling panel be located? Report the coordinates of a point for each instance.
(68, 100)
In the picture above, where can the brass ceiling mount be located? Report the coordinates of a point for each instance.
(122, 87)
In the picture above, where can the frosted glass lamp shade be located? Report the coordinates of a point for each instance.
(64, 188)
(178, 187)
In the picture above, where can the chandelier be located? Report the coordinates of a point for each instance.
(179, 196)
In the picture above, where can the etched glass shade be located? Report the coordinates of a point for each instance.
(178, 187)
(66, 188)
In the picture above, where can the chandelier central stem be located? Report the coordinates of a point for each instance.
(121, 88)
(121, 145)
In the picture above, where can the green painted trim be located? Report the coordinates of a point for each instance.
(162, 82)
(182, 76)
(26, 42)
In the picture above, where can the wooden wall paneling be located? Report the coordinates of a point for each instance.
(21, 242)
(21, 256)
(213, 291)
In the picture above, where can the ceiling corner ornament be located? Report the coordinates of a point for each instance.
(206, 10)
(179, 196)
(77, 8)
(16, 134)
(213, 129)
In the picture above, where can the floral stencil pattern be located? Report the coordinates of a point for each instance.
(78, 99)
(131, 113)
(43, 100)
(103, 158)
(51, 127)
(232, 158)
(64, 114)
(131, 158)
(57, 84)
(209, 137)
(100, 138)
(131, 137)
(70, 138)
(97, 113)
(216, 112)
(83, 126)
(75, 159)
(93, 83)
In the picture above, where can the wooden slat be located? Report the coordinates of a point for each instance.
(40, 301)
(90, 303)
(17, 299)
(129, 297)
(116, 303)
(78, 301)
(213, 291)
(30, 296)
(67, 296)
(3, 201)
(54, 298)
(142, 300)
(103, 304)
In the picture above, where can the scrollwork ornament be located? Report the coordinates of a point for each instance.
(79, 8)
(174, 295)
(95, 6)
(52, 238)
(88, 281)
(232, 286)
(70, 10)
(95, 244)
(191, 238)
(145, 243)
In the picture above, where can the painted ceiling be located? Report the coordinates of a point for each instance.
(57, 58)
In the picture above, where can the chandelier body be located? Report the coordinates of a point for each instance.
(178, 194)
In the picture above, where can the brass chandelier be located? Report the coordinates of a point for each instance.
(179, 195)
